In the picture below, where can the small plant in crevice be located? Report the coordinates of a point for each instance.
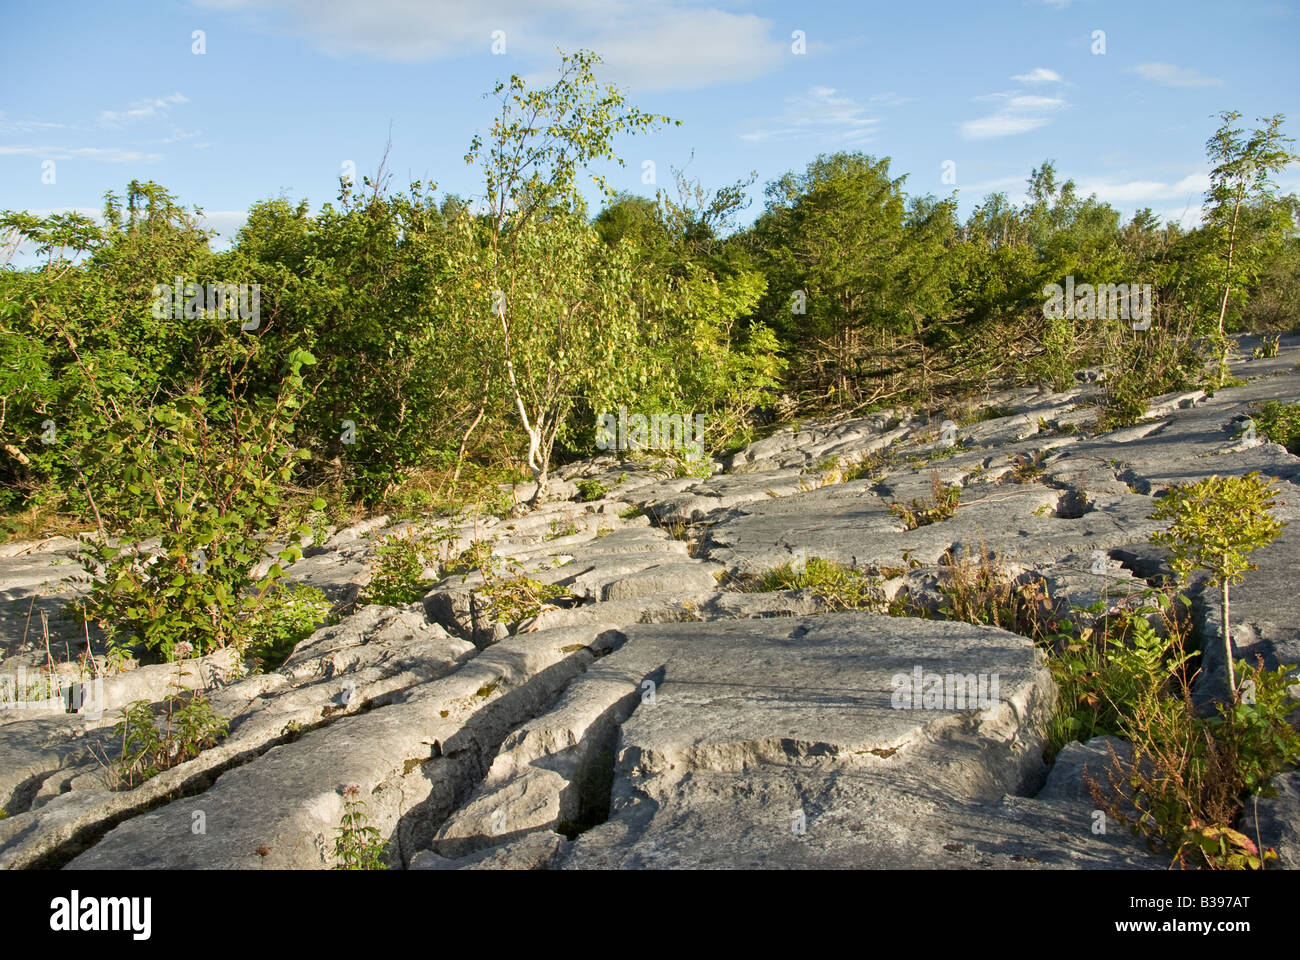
(512, 597)
(560, 528)
(275, 628)
(678, 530)
(832, 471)
(1105, 657)
(870, 467)
(1027, 467)
(1279, 422)
(980, 590)
(840, 587)
(189, 726)
(984, 414)
(318, 522)
(1267, 348)
(590, 489)
(507, 594)
(700, 467)
(474, 557)
(358, 845)
(398, 564)
(1074, 503)
(941, 505)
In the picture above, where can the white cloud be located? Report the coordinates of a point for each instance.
(1029, 103)
(690, 49)
(669, 46)
(997, 185)
(226, 223)
(177, 136)
(1179, 200)
(821, 113)
(1143, 193)
(141, 109)
(1169, 75)
(107, 154)
(1000, 125)
(1039, 75)
(8, 126)
(1018, 114)
(890, 99)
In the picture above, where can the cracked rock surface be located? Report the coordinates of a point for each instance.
(656, 716)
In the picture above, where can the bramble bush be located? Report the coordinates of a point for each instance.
(204, 476)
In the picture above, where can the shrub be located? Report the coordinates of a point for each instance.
(512, 597)
(398, 565)
(509, 595)
(294, 613)
(591, 489)
(1103, 664)
(1184, 786)
(1154, 362)
(205, 477)
(1280, 422)
(1214, 525)
(978, 590)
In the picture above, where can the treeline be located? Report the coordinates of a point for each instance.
(442, 343)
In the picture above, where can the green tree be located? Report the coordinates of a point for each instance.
(1241, 178)
(851, 264)
(558, 302)
(1214, 525)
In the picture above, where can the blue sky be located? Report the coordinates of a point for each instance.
(287, 91)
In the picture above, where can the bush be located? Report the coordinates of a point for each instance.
(512, 597)
(1280, 422)
(397, 568)
(205, 477)
(1215, 525)
(1105, 664)
(591, 489)
(292, 613)
(978, 590)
